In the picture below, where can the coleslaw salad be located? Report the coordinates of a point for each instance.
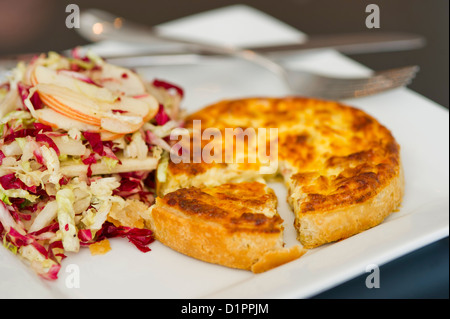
(80, 141)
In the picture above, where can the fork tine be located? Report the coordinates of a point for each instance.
(366, 90)
(408, 73)
(386, 82)
(391, 81)
(376, 79)
(388, 79)
(407, 70)
(363, 91)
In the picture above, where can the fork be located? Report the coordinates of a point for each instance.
(96, 25)
(333, 88)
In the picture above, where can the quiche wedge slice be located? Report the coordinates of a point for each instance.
(234, 225)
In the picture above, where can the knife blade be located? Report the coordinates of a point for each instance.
(354, 43)
(173, 53)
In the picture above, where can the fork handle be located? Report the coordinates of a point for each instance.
(98, 25)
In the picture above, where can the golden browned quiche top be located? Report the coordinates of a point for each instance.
(238, 207)
(331, 156)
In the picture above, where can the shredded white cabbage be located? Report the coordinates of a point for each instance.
(66, 219)
(137, 148)
(51, 160)
(19, 193)
(28, 103)
(103, 187)
(70, 146)
(17, 75)
(45, 217)
(15, 115)
(100, 216)
(163, 130)
(161, 172)
(8, 103)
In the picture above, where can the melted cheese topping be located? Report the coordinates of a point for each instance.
(330, 155)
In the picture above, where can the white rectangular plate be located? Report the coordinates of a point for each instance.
(420, 126)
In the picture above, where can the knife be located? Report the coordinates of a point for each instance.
(352, 43)
(167, 50)
(175, 53)
(97, 25)
(172, 53)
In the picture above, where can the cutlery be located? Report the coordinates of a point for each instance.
(299, 81)
(98, 25)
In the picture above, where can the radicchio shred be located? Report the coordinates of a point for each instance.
(141, 238)
(168, 86)
(161, 117)
(95, 141)
(24, 91)
(10, 181)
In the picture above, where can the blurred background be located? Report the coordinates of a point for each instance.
(39, 25)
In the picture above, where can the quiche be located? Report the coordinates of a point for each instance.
(234, 225)
(341, 167)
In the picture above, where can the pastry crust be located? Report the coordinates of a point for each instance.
(341, 167)
(234, 225)
(317, 228)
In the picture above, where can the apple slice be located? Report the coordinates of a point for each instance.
(68, 103)
(54, 119)
(83, 109)
(97, 106)
(109, 136)
(44, 75)
(65, 111)
(117, 123)
(128, 106)
(152, 103)
(118, 79)
(103, 97)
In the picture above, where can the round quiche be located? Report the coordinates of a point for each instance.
(341, 167)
